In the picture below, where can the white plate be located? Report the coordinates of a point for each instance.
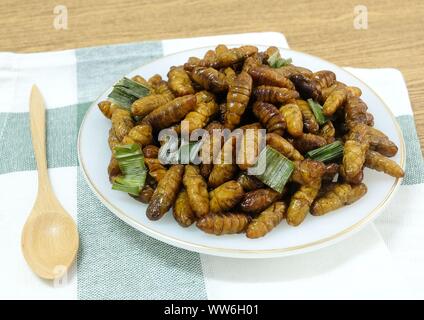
(313, 233)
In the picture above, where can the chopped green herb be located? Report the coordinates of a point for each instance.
(329, 152)
(278, 169)
(276, 61)
(126, 91)
(317, 110)
(131, 162)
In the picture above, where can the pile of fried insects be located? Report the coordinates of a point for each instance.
(319, 137)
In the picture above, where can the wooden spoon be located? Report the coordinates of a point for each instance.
(50, 236)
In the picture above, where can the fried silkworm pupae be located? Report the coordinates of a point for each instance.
(266, 220)
(328, 132)
(270, 117)
(264, 75)
(225, 197)
(307, 87)
(122, 123)
(335, 100)
(171, 112)
(300, 204)
(182, 211)
(107, 108)
(283, 146)
(249, 183)
(205, 108)
(293, 118)
(337, 197)
(325, 78)
(308, 142)
(164, 196)
(219, 224)
(144, 105)
(140, 134)
(197, 190)
(226, 169)
(258, 200)
(210, 79)
(145, 194)
(156, 169)
(309, 121)
(274, 95)
(377, 161)
(237, 99)
(179, 82)
(308, 172)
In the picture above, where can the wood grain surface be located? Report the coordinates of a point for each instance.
(394, 38)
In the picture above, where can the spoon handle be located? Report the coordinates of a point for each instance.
(38, 134)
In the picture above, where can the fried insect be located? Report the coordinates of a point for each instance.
(357, 179)
(225, 197)
(330, 172)
(107, 108)
(355, 111)
(179, 82)
(335, 100)
(354, 153)
(328, 132)
(308, 142)
(182, 211)
(205, 108)
(307, 87)
(143, 106)
(139, 79)
(370, 119)
(266, 221)
(325, 78)
(252, 143)
(226, 169)
(264, 75)
(226, 58)
(249, 183)
(300, 204)
(237, 99)
(121, 123)
(353, 91)
(252, 61)
(230, 74)
(112, 140)
(308, 172)
(171, 112)
(197, 190)
(140, 134)
(211, 146)
(219, 224)
(283, 146)
(290, 71)
(380, 142)
(145, 194)
(338, 196)
(270, 117)
(274, 95)
(113, 169)
(165, 193)
(258, 200)
(156, 169)
(293, 118)
(377, 161)
(309, 121)
(210, 79)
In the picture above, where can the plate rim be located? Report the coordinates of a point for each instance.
(250, 253)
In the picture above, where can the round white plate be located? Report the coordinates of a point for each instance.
(313, 233)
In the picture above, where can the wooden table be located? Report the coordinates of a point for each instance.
(394, 38)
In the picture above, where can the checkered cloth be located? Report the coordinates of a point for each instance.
(116, 261)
